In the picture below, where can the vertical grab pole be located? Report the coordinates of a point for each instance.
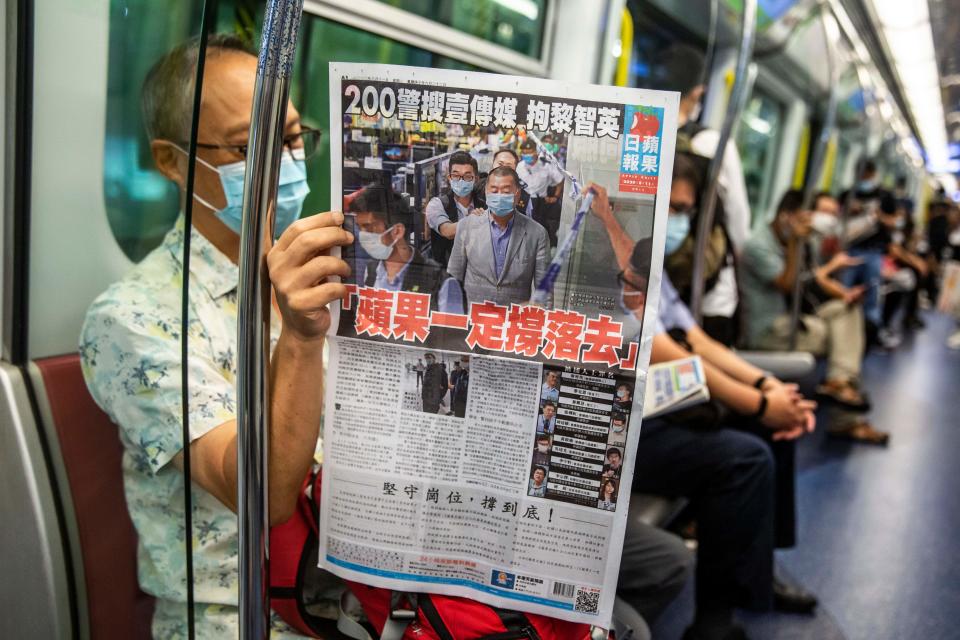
(738, 96)
(280, 28)
(831, 34)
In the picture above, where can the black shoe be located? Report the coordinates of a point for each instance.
(731, 632)
(792, 598)
(914, 323)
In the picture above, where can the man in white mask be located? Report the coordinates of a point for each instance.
(131, 343)
(384, 223)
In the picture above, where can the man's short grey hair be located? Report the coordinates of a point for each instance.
(167, 97)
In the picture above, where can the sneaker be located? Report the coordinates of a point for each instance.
(888, 339)
(954, 340)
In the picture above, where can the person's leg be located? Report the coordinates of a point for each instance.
(653, 569)
(872, 266)
(728, 476)
(811, 336)
(846, 339)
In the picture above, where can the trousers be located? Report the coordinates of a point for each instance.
(835, 331)
(654, 567)
(869, 274)
(728, 476)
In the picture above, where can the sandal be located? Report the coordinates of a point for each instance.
(860, 431)
(845, 394)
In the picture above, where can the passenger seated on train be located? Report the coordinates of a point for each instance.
(130, 352)
(728, 474)
(831, 323)
(904, 272)
(130, 342)
(680, 67)
(871, 216)
(721, 300)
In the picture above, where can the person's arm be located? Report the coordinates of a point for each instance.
(438, 220)
(824, 277)
(784, 282)
(722, 358)
(786, 411)
(457, 264)
(622, 243)
(299, 265)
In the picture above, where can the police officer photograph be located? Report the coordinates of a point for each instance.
(440, 387)
(545, 184)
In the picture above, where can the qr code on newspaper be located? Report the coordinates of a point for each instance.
(588, 600)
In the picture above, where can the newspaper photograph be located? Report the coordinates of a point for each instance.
(488, 364)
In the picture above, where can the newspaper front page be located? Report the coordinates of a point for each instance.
(487, 366)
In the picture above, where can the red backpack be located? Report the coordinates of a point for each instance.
(293, 553)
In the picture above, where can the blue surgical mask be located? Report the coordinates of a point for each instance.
(501, 204)
(678, 227)
(866, 186)
(291, 192)
(529, 158)
(462, 187)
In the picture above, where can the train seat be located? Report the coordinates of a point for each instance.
(105, 565)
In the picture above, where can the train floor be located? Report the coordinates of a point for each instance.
(877, 526)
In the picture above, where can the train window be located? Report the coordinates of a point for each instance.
(516, 25)
(323, 41)
(757, 142)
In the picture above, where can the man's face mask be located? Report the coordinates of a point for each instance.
(543, 448)
(291, 192)
(501, 204)
(678, 228)
(825, 224)
(373, 243)
(529, 158)
(462, 187)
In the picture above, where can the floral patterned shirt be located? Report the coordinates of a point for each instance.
(130, 352)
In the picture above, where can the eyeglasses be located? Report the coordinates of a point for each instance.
(307, 139)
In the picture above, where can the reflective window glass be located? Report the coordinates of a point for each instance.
(515, 24)
(757, 142)
(322, 42)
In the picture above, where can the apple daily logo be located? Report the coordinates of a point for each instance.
(640, 149)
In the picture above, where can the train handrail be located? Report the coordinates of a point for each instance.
(735, 105)
(281, 24)
(831, 34)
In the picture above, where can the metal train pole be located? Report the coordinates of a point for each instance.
(831, 34)
(280, 28)
(738, 96)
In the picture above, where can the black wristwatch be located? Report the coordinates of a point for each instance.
(763, 407)
(759, 382)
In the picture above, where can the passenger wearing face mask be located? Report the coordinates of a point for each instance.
(134, 327)
(499, 256)
(740, 472)
(545, 184)
(461, 199)
(721, 298)
(871, 218)
(834, 329)
(384, 223)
